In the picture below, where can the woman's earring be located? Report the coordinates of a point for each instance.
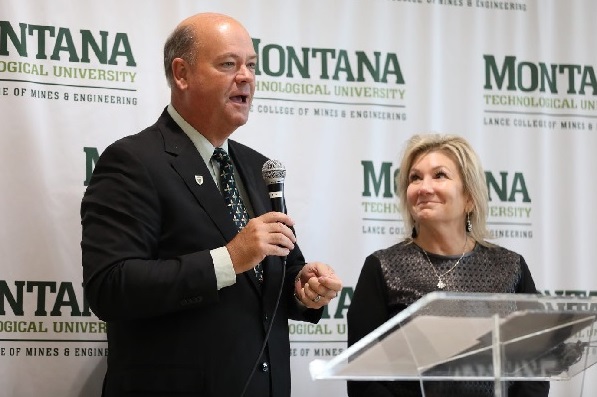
(414, 233)
(469, 226)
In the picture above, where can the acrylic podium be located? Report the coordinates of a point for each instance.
(447, 336)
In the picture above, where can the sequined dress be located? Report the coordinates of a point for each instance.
(391, 279)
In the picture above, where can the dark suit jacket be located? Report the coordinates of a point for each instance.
(148, 226)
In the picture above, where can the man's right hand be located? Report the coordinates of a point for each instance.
(268, 234)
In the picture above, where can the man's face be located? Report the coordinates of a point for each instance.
(221, 84)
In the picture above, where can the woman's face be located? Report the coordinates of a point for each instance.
(435, 192)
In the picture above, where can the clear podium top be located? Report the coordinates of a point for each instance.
(472, 336)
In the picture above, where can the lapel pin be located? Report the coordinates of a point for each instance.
(199, 179)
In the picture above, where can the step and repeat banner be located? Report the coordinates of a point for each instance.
(340, 87)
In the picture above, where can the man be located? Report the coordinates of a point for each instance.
(164, 263)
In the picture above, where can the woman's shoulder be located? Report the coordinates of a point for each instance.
(498, 251)
(493, 247)
(398, 248)
(394, 256)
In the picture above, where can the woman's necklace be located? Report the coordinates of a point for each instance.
(440, 282)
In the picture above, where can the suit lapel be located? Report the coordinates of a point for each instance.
(190, 167)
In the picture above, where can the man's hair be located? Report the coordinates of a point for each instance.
(182, 43)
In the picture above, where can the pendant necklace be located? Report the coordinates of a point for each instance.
(440, 282)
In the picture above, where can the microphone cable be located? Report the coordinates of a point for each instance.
(269, 329)
(274, 173)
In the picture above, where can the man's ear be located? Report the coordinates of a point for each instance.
(180, 71)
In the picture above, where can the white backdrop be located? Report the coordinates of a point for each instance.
(341, 85)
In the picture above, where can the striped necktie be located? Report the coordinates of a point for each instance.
(232, 196)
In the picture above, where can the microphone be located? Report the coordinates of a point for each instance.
(273, 172)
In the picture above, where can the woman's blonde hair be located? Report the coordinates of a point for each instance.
(471, 173)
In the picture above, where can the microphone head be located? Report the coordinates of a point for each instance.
(273, 171)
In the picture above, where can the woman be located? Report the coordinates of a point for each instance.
(444, 201)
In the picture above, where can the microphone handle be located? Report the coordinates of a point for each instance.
(276, 196)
